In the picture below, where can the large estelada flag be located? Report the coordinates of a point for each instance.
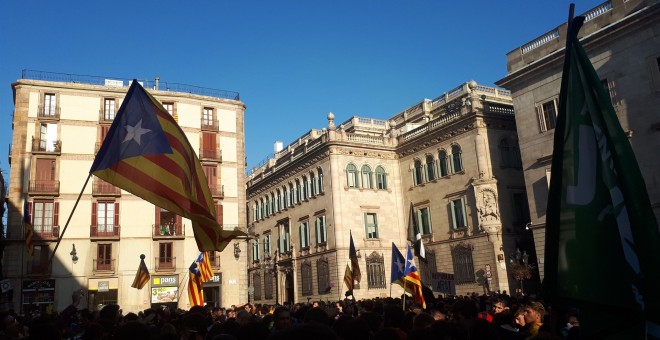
(147, 154)
(398, 270)
(602, 242)
(355, 265)
(199, 272)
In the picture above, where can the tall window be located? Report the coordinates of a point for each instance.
(256, 283)
(351, 175)
(48, 137)
(50, 105)
(461, 256)
(286, 198)
(304, 235)
(381, 178)
(547, 113)
(306, 275)
(610, 89)
(424, 220)
(44, 217)
(321, 233)
(442, 163)
(296, 193)
(314, 185)
(320, 180)
(165, 259)
(371, 225)
(211, 177)
(104, 257)
(169, 107)
(207, 117)
(109, 109)
(456, 159)
(105, 216)
(255, 250)
(520, 209)
(428, 267)
(430, 168)
(367, 181)
(292, 194)
(458, 216)
(268, 286)
(418, 174)
(40, 258)
(323, 275)
(375, 271)
(285, 238)
(510, 154)
(267, 246)
(304, 193)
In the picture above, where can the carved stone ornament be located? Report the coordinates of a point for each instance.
(489, 215)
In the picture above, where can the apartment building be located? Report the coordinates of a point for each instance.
(454, 158)
(59, 123)
(621, 39)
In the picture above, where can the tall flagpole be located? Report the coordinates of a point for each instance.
(59, 238)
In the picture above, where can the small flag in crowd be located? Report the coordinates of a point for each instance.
(142, 275)
(412, 278)
(29, 229)
(147, 154)
(348, 278)
(599, 217)
(200, 272)
(355, 265)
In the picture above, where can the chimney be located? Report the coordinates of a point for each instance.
(278, 146)
(157, 80)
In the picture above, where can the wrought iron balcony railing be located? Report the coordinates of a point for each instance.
(44, 187)
(48, 112)
(104, 231)
(46, 146)
(103, 188)
(210, 154)
(46, 232)
(170, 230)
(209, 124)
(165, 263)
(103, 265)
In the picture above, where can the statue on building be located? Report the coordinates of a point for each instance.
(488, 211)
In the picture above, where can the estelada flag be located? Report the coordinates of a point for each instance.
(147, 154)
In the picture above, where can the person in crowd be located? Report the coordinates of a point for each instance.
(533, 314)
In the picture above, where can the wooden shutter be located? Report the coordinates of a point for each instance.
(94, 214)
(218, 213)
(116, 214)
(157, 217)
(30, 212)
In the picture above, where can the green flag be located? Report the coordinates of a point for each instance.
(602, 241)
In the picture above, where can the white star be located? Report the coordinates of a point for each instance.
(399, 265)
(412, 263)
(135, 132)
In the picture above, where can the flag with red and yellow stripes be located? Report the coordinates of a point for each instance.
(147, 154)
(200, 272)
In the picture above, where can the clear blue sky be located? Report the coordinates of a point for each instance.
(291, 61)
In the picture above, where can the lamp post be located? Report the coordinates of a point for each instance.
(520, 267)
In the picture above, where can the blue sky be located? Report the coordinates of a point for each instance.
(291, 61)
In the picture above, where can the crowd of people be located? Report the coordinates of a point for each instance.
(495, 316)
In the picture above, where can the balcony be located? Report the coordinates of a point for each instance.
(217, 191)
(109, 232)
(106, 117)
(44, 187)
(47, 147)
(164, 264)
(48, 113)
(215, 261)
(46, 233)
(169, 231)
(210, 154)
(103, 266)
(38, 268)
(208, 124)
(103, 188)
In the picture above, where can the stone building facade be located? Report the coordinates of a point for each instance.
(59, 123)
(454, 159)
(622, 39)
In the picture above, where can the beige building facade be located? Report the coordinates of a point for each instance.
(622, 39)
(454, 159)
(59, 123)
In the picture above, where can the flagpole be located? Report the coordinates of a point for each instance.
(59, 238)
(405, 284)
(181, 283)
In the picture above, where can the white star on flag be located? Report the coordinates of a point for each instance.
(135, 132)
(399, 265)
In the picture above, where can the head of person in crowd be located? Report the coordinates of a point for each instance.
(519, 317)
(282, 318)
(464, 311)
(500, 305)
(534, 312)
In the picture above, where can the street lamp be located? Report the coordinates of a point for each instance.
(520, 268)
(74, 254)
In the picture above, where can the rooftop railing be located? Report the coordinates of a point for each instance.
(123, 82)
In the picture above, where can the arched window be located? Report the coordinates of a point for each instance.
(306, 275)
(442, 163)
(278, 201)
(292, 195)
(367, 181)
(430, 168)
(255, 215)
(256, 281)
(267, 206)
(304, 194)
(381, 178)
(285, 198)
(456, 158)
(323, 275)
(375, 271)
(418, 175)
(314, 190)
(298, 193)
(351, 175)
(272, 203)
(320, 180)
(268, 286)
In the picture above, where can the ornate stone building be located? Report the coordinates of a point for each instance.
(455, 159)
(621, 38)
(59, 123)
